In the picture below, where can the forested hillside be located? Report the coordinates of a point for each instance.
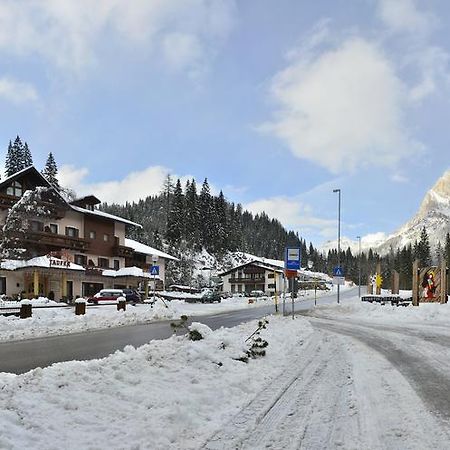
(182, 217)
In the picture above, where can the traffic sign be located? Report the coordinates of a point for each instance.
(154, 270)
(292, 258)
(339, 280)
(338, 271)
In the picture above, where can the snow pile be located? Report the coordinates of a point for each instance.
(56, 321)
(375, 312)
(168, 394)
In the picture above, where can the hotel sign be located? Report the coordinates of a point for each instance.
(59, 263)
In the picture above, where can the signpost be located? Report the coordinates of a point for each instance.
(154, 270)
(338, 276)
(292, 263)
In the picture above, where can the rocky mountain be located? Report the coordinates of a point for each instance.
(433, 214)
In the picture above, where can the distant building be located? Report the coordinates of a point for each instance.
(77, 251)
(253, 276)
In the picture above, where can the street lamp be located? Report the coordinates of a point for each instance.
(359, 266)
(339, 235)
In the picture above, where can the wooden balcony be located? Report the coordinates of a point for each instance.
(56, 240)
(123, 251)
(259, 280)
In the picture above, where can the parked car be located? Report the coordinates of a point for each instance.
(106, 295)
(257, 294)
(131, 295)
(211, 297)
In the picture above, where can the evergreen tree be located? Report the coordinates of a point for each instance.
(26, 155)
(175, 225)
(206, 214)
(221, 225)
(423, 249)
(10, 161)
(19, 151)
(50, 171)
(192, 215)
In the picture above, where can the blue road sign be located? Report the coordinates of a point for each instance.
(154, 270)
(292, 258)
(338, 272)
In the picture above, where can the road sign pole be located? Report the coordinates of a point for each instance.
(292, 296)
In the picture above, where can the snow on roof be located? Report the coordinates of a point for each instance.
(20, 172)
(147, 250)
(128, 272)
(105, 215)
(39, 261)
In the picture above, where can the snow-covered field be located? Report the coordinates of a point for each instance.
(57, 321)
(321, 385)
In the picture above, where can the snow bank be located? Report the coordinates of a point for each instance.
(375, 312)
(168, 394)
(56, 321)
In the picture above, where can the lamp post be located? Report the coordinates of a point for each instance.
(359, 266)
(339, 235)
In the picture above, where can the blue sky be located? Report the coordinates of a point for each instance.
(276, 102)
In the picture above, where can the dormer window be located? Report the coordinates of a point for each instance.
(15, 189)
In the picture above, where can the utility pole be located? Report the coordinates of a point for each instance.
(359, 266)
(339, 236)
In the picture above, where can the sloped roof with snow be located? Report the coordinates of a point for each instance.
(147, 250)
(38, 261)
(105, 215)
(128, 272)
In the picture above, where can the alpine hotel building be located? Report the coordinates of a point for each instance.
(78, 250)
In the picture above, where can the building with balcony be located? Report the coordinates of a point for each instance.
(253, 276)
(73, 249)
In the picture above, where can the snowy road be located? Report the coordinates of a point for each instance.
(354, 386)
(22, 356)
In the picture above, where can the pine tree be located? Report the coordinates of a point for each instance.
(10, 161)
(221, 225)
(26, 155)
(423, 249)
(206, 214)
(18, 150)
(192, 215)
(50, 171)
(175, 225)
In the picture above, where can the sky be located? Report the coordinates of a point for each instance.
(277, 103)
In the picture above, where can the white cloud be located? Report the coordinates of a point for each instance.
(343, 108)
(16, 91)
(132, 187)
(292, 213)
(404, 16)
(68, 33)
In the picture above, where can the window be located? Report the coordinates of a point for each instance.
(270, 275)
(53, 228)
(36, 225)
(106, 237)
(15, 189)
(103, 263)
(92, 234)
(116, 264)
(72, 232)
(81, 260)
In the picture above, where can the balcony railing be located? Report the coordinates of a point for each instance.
(247, 280)
(56, 240)
(123, 251)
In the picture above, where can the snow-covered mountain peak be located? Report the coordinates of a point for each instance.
(437, 199)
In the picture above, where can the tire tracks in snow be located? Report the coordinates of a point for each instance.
(314, 409)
